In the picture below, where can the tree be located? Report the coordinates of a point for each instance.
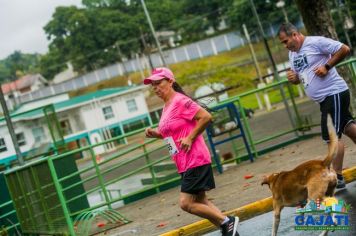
(4, 72)
(207, 13)
(240, 12)
(317, 18)
(52, 63)
(17, 64)
(87, 37)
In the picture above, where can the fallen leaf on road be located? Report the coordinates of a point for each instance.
(100, 224)
(162, 224)
(248, 176)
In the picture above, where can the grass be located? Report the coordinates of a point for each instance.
(233, 68)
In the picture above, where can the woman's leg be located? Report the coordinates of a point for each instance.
(199, 205)
(201, 197)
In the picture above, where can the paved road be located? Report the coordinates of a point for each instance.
(262, 225)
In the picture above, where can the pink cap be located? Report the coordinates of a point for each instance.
(158, 74)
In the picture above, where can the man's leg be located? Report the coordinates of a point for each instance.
(350, 131)
(339, 159)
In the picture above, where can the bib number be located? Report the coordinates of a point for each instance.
(172, 148)
(304, 79)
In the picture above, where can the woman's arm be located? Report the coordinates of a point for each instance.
(203, 118)
(153, 133)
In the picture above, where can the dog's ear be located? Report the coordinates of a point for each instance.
(265, 180)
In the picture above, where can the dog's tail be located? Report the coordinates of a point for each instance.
(333, 142)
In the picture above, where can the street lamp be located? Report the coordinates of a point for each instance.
(281, 4)
(153, 32)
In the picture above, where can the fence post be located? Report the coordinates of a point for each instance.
(186, 53)
(247, 128)
(100, 177)
(154, 180)
(227, 44)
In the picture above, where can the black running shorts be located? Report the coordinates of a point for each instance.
(338, 107)
(197, 179)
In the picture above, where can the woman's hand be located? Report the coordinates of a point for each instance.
(186, 144)
(152, 133)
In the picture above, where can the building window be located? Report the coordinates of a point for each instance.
(65, 126)
(131, 105)
(116, 131)
(20, 137)
(3, 147)
(108, 112)
(38, 134)
(138, 124)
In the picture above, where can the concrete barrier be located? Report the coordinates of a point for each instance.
(244, 213)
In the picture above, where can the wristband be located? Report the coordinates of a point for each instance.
(327, 66)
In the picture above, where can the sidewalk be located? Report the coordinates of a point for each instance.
(161, 213)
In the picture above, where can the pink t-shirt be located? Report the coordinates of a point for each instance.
(177, 121)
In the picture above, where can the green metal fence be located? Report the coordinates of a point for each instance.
(40, 192)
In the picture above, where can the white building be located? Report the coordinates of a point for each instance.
(65, 75)
(19, 87)
(86, 119)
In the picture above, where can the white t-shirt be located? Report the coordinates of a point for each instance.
(315, 52)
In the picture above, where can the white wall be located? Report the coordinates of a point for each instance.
(44, 102)
(122, 108)
(10, 148)
(93, 116)
(65, 75)
(73, 118)
(18, 127)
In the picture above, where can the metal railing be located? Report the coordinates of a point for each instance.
(133, 163)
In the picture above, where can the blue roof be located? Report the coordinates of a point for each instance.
(68, 103)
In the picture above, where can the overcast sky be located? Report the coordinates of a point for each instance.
(22, 22)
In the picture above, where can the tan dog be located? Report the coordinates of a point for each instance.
(309, 181)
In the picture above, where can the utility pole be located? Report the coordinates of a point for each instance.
(275, 70)
(147, 49)
(10, 127)
(123, 65)
(281, 4)
(261, 84)
(153, 32)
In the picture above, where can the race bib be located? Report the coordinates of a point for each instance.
(304, 79)
(172, 148)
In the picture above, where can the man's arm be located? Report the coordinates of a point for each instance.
(293, 77)
(339, 56)
(333, 61)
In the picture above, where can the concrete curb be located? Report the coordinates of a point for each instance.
(245, 212)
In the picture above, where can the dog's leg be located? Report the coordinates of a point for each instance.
(277, 216)
(317, 188)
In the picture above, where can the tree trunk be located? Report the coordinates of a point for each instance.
(318, 21)
(317, 18)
